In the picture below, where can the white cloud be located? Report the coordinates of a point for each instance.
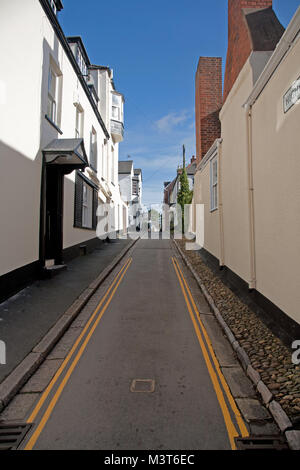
(171, 120)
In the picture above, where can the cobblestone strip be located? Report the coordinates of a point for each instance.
(280, 416)
(20, 375)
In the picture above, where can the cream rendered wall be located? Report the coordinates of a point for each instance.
(20, 119)
(276, 170)
(211, 219)
(235, 176)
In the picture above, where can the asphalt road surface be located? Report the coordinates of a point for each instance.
(143, 375)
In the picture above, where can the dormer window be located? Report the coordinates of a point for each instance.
(81, 62)
(56, 5)
(53, 6)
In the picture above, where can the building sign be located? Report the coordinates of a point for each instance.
(292, 96)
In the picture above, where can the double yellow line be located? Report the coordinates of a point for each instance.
(106, 299)
(212, 364)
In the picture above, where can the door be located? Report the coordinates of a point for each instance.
(54, 214)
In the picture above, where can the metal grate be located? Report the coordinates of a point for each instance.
(11, 434)
(261, 443)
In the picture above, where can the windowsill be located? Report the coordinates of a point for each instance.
(53, 125)
(84, 228)
(213, 210)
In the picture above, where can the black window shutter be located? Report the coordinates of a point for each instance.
(78, 201)
(95, 207)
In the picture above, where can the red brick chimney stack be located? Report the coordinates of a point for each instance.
(239, 40)
(208, 103)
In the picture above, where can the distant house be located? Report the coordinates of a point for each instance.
(130, 182)
(171, 189)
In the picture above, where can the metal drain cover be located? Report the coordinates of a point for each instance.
(142, 386)
(11, 434)
(261, 443)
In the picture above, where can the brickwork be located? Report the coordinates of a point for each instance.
(239, 39)
(208, 103)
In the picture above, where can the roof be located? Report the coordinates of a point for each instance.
(191, 168)
(101, 67)
(125, 167)
(66, 152)
(281, 50)
(168, 190)
(264, 28)
(78, 40)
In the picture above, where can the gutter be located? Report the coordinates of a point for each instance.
(276, 58)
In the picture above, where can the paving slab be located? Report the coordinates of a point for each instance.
(18, 377)
(40, 380)
(65, 344)
(221, 345)
(293, 438)
(239, 384)
(252, 410)
(266, 429)
(19, 407)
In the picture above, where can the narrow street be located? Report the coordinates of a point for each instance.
(142, 374)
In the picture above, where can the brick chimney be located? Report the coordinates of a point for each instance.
(208, 103)
(252, 26)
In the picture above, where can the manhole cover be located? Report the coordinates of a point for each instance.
(261, 443)
(11, 434)
(142, 385)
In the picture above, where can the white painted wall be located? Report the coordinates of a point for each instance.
(24, 131)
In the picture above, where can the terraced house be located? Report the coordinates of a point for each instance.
(248, 165)
(61, 125)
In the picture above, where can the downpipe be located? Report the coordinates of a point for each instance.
(252, 282)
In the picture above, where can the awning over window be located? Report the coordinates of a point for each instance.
(68, 152)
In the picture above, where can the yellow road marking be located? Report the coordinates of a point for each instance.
(65, 362)
(240, 421)
(57, 394)
(231, 430)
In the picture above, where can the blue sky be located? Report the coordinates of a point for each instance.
(153, 48)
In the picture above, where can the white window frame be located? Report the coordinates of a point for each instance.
(87, 205)
(118, 106)
(52, 95)
(79, 122)
(93, 149)
(81, 62)
(112, 165)
(214, 170)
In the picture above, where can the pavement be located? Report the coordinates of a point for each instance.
(145, 366)
(26, 317)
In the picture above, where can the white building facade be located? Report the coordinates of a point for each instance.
(131, 183)
(58, 149)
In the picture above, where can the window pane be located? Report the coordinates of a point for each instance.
(115, 113)
(87, 206)
(116, 100)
